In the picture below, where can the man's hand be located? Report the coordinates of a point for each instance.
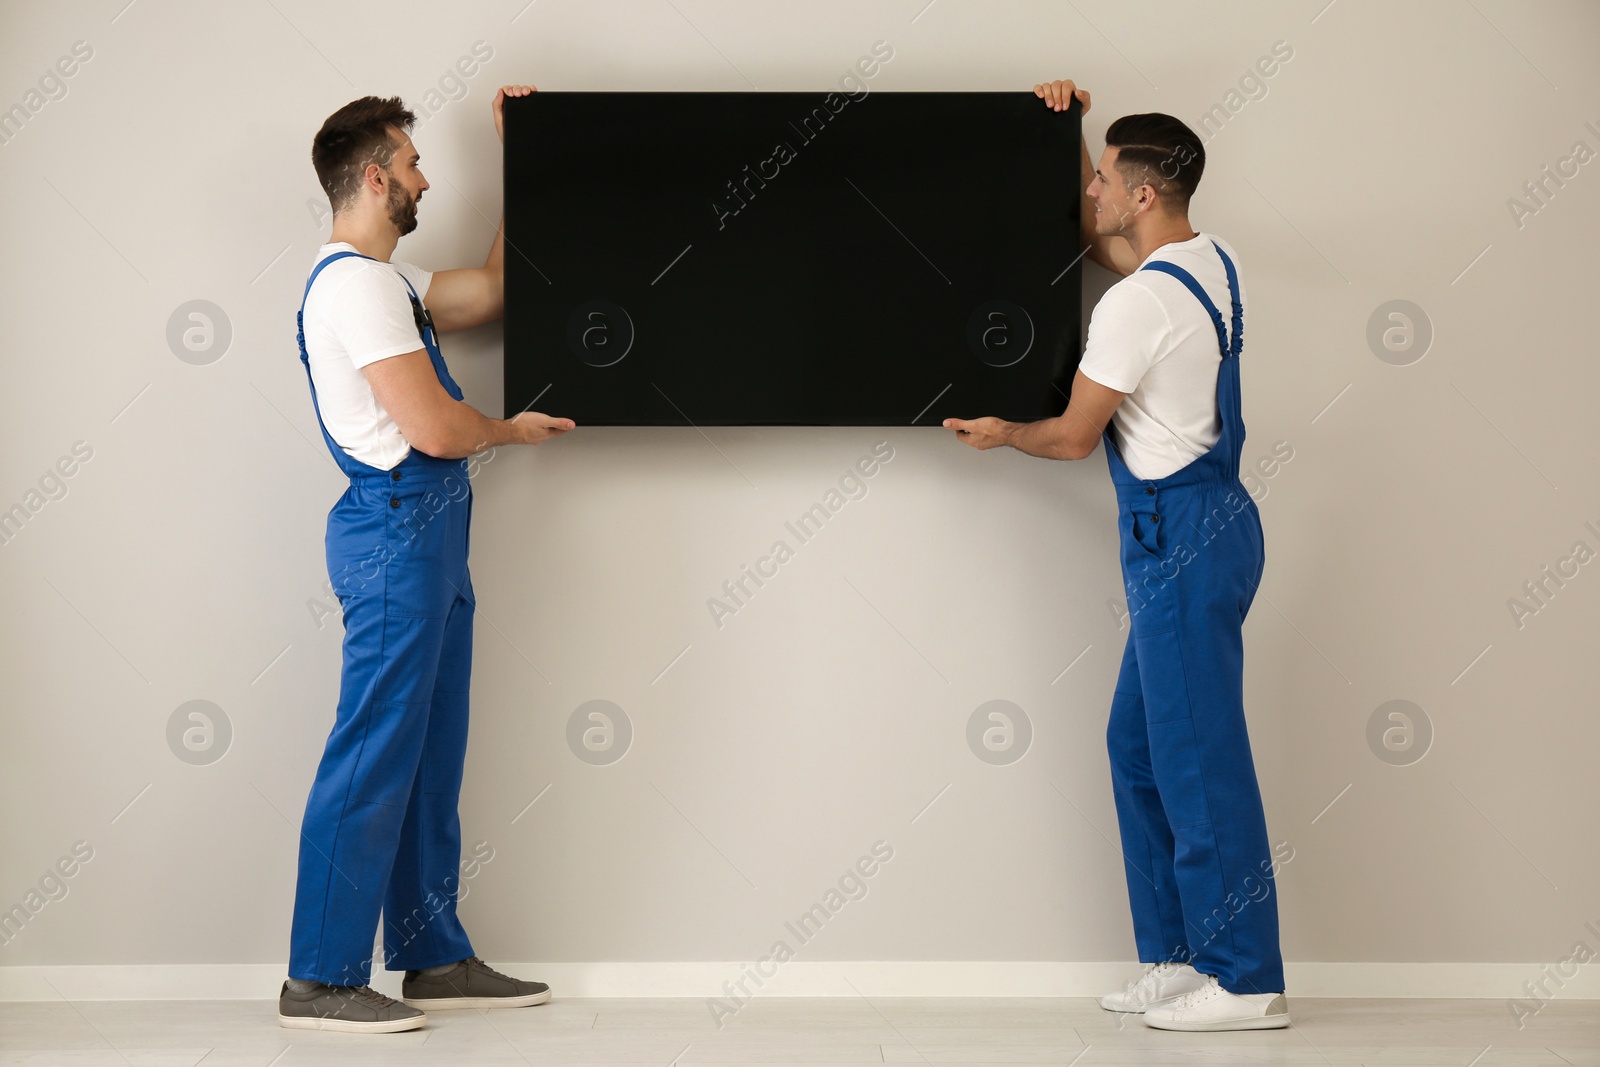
(1058, 94)
(536, 427)
(515, 90)
(987, 432)
(1073, 434)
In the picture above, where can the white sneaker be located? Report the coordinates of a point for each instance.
(1160, 983)
(1213, 1008)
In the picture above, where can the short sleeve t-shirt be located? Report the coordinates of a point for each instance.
(358, 312)
(1150, 338)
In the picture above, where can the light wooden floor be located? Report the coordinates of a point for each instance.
(796, 1032)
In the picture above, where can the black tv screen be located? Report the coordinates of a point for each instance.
(715, 258)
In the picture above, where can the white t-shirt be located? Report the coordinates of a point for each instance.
(358, 312)
(1151, 338)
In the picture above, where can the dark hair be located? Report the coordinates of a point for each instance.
(352, 137)
(1158, 150)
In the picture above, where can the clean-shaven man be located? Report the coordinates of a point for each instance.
(381, 830)
(1161, 367)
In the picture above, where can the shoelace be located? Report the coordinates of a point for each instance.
(475, 962)
(1198, 996)
(371, 996)
(357, 995)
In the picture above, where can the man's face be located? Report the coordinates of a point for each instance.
(406, 184)
(1115, 206)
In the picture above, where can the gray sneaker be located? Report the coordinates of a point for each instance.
(351, 1009)
(471, 984)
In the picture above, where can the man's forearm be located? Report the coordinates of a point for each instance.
(1046, 439)
(467, 431)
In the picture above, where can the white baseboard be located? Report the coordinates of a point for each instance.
(254, 981)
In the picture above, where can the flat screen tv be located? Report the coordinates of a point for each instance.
(783, 258)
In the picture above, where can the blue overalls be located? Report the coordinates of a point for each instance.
(381, 828)
(1194, 836)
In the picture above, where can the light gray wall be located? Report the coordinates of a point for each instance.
(185, 559)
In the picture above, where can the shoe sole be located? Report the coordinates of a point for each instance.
(447, 1003)
(350, 1026)
(1266, 1022)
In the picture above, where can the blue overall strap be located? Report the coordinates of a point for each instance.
(300, 318)
(1229, 348)
(345, 255)
(425, 327)
(331, 259)
(421, 312)
(1233, 297)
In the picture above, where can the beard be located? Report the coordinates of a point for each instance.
(1110, 224)
(402, 208)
